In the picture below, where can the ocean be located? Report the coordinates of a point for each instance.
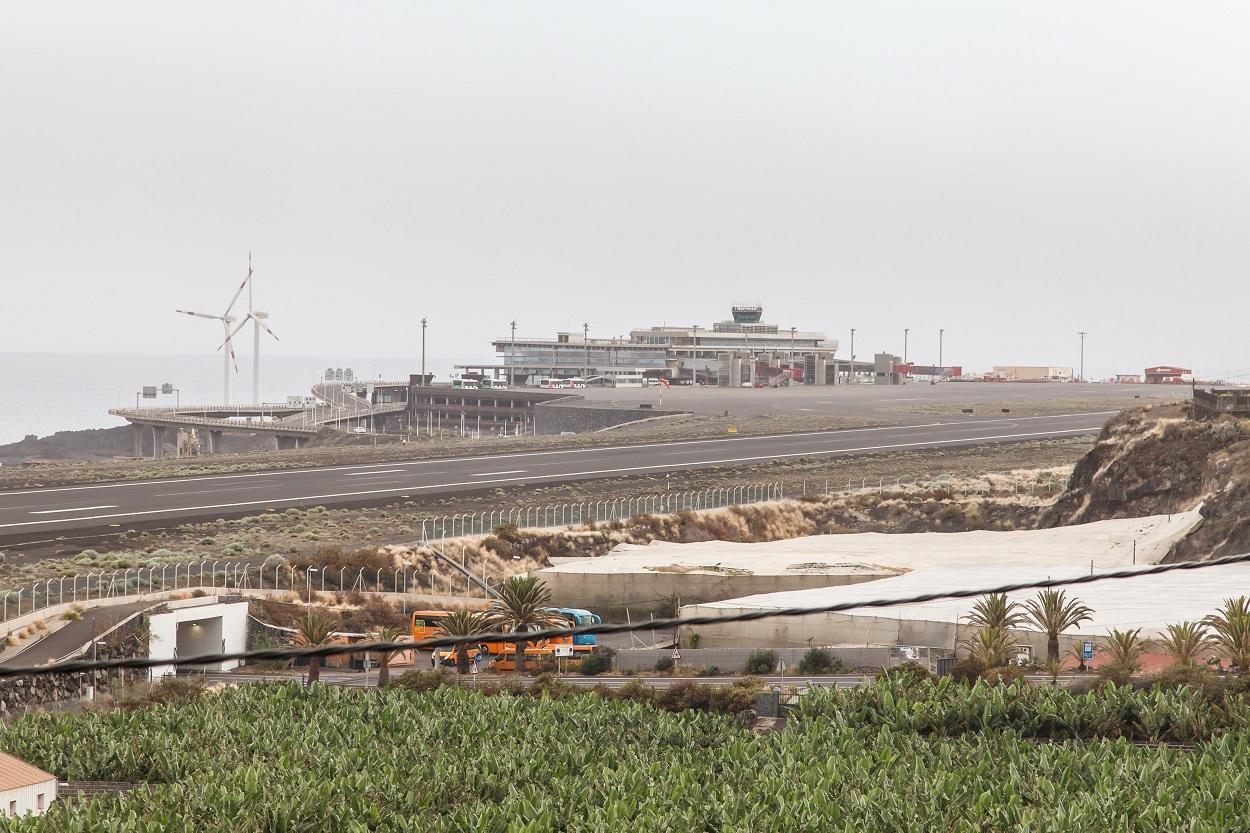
(42, 393)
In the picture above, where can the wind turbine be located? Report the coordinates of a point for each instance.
(226, 320)
(257, 317)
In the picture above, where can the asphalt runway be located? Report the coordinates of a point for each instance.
(40, 513)
(887, 403)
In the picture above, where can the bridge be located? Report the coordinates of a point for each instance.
(291, 425)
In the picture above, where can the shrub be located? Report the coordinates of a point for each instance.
(710, 671)
(419, 681)
(820, 661)
(1003, 675)
(597, 663)
(908, 674)
(694, 639)
(761, 662)
(664, 664)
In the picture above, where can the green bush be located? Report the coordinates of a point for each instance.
(761, 662)
(820, 661)
(664, 664)
(597, 663)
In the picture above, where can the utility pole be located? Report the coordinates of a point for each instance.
(694, 354)
(423, 323)
(905, 332)
(586, 345)
(941, 333)
(1082, 334)
(850, 376)
(512, 357)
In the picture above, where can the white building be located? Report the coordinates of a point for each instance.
(197, 626)
(24, 789)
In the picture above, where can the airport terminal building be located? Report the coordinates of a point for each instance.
(743, 350)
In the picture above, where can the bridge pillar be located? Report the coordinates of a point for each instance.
(214, 442)
(158, 441)
(136, 434)
(286, 441)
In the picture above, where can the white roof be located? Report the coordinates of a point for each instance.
(1149, 602)
(1105, 543)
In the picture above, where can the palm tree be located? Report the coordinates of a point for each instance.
(1230, 631)
(1053, 613)
(313, 630)
(991, 647)
(1184, 642)
(1126, 648)
(387, 633)
(523, 605)
(994, 611)
(464, 623)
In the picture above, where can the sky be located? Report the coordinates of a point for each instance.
(1012, 173)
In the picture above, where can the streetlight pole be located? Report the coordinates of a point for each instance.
(850, 376)
(512, 356)
(694, 354)
(308, 578)
(940, 334)
(905, 332)
(423, 323)
(1082, 334)
(586, 347)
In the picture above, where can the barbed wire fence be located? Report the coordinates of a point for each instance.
(274, 573)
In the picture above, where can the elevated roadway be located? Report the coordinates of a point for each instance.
(36, 513)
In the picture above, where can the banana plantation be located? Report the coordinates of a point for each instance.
(914, 757)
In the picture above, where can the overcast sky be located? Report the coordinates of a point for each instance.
(1012, 172)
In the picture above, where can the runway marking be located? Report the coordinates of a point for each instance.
(363, 473)
(444, 460)
(204, 491)
(573, 474)
(75, 509)
(490, 473)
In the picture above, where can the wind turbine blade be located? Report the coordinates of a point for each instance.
(266, 329)
(242, 286)
(199, 314)
(235, 332)
(234, 360)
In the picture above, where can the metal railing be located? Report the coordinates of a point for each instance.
(596, 511)
(217, 575)
(961, 487)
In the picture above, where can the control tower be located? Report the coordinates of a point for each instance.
(748, 313)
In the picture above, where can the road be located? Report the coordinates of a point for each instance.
(60, 510)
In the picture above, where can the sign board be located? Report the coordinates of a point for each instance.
(167, 388)
(676, 655)
(564, 650)
(149, 391)
(1087, 650)
(473, 668)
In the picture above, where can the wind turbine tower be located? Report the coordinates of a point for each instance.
(257, 317)
(226, 319)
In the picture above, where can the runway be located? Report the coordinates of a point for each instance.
(61, 510)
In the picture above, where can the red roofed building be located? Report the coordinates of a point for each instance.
(24, 789)
(1168, 375)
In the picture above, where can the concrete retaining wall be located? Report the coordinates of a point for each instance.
(841, 629)
(595, 591)
(731, 660)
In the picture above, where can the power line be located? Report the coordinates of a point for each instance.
(81, 666)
